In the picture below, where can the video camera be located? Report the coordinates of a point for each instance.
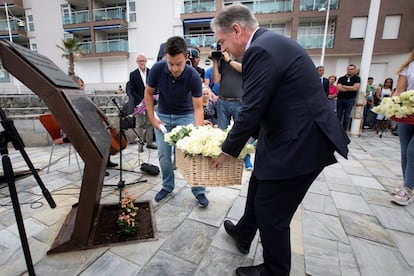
(217, 54)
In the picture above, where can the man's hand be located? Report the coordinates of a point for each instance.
(216, 163)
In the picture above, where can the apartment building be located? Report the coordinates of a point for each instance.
(112, 32)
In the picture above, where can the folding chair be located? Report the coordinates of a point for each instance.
(52, 127)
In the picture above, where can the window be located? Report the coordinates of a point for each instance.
(33, 47)
(132, 16)
(29, 21)
(391, 27)
(358, 27)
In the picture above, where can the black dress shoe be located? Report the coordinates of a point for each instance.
(151, 146)
(111, 164)
(106, 173)
(231, 230)
(256, 270)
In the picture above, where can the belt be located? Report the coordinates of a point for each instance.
(230, 99)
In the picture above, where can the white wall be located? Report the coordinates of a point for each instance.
(48, 29)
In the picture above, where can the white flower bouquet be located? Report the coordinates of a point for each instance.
(203, 140)
(195, 148)
(398, 108)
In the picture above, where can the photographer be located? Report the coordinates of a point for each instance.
(194, 59)
(228, 72)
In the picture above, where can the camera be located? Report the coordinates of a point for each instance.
(217, 54)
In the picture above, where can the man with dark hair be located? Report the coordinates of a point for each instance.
(347, 86)
(179, 103)
(283, 102)
(324, 81)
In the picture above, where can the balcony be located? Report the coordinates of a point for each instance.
(202, 40)
(315, 5)
(199, 6)
(76, 17)
(109, 14)
(315, 41)
(17, 31)
(265, 6)
(105, 46)
(4, 76)
(16, 24)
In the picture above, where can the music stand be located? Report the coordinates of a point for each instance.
(121, 183)
(10, 134)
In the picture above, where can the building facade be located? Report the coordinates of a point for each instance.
(112, 32)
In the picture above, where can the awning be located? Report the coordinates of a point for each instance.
(197, 21)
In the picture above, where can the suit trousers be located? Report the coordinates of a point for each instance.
(270, 206)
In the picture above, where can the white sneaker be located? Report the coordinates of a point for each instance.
(403, 197)
(397, 189)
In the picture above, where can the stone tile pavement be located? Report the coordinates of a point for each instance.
(345, 226)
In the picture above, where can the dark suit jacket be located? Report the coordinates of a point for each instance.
(282, 96)
(326, 86)
(137, 86)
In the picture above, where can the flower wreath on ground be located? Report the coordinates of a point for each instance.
(397, 107)
(203, 140)
(128, 216)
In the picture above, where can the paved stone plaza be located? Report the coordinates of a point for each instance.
(345, 226)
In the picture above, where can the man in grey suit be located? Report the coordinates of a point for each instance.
(285, 105)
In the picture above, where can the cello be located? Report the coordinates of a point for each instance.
(118, 141)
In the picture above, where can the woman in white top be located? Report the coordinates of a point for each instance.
(405, 82)
(384, 91)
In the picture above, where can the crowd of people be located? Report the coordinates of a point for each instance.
(295, 129)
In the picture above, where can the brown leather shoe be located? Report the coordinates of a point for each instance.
(231, 230)
(256, 270)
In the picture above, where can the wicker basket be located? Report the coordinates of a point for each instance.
(406, 120)
(196, 170)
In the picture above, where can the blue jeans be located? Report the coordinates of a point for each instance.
(225, 111)
(406, 135)
(165, 150)
(343, 109)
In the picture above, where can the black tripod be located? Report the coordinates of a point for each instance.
(10, 134)
(121, 183)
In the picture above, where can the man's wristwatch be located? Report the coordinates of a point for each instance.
(228, 62)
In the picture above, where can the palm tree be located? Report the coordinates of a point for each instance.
(70, 47)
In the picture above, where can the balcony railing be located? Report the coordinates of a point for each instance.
(314, 5)
(265, 6)
(108, 46)
(85, 47)
(315, 41)
(201, 40)
(105, 46)
(109, 14)
(199, 6)
(76, 17)
(15, 25)
(4, 76)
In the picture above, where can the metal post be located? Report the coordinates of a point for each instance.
(325, 33)
(8, 22)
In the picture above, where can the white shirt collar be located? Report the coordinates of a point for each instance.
(250, 39)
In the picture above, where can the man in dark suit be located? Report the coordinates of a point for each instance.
(136, 87)
(284, 103)
(324, 81)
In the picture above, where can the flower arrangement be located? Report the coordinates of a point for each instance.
(203, 140)
(397, 106)
(128, 216)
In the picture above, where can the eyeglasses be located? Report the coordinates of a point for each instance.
(141, 60)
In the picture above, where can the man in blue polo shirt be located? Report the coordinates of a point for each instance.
(179, 103)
